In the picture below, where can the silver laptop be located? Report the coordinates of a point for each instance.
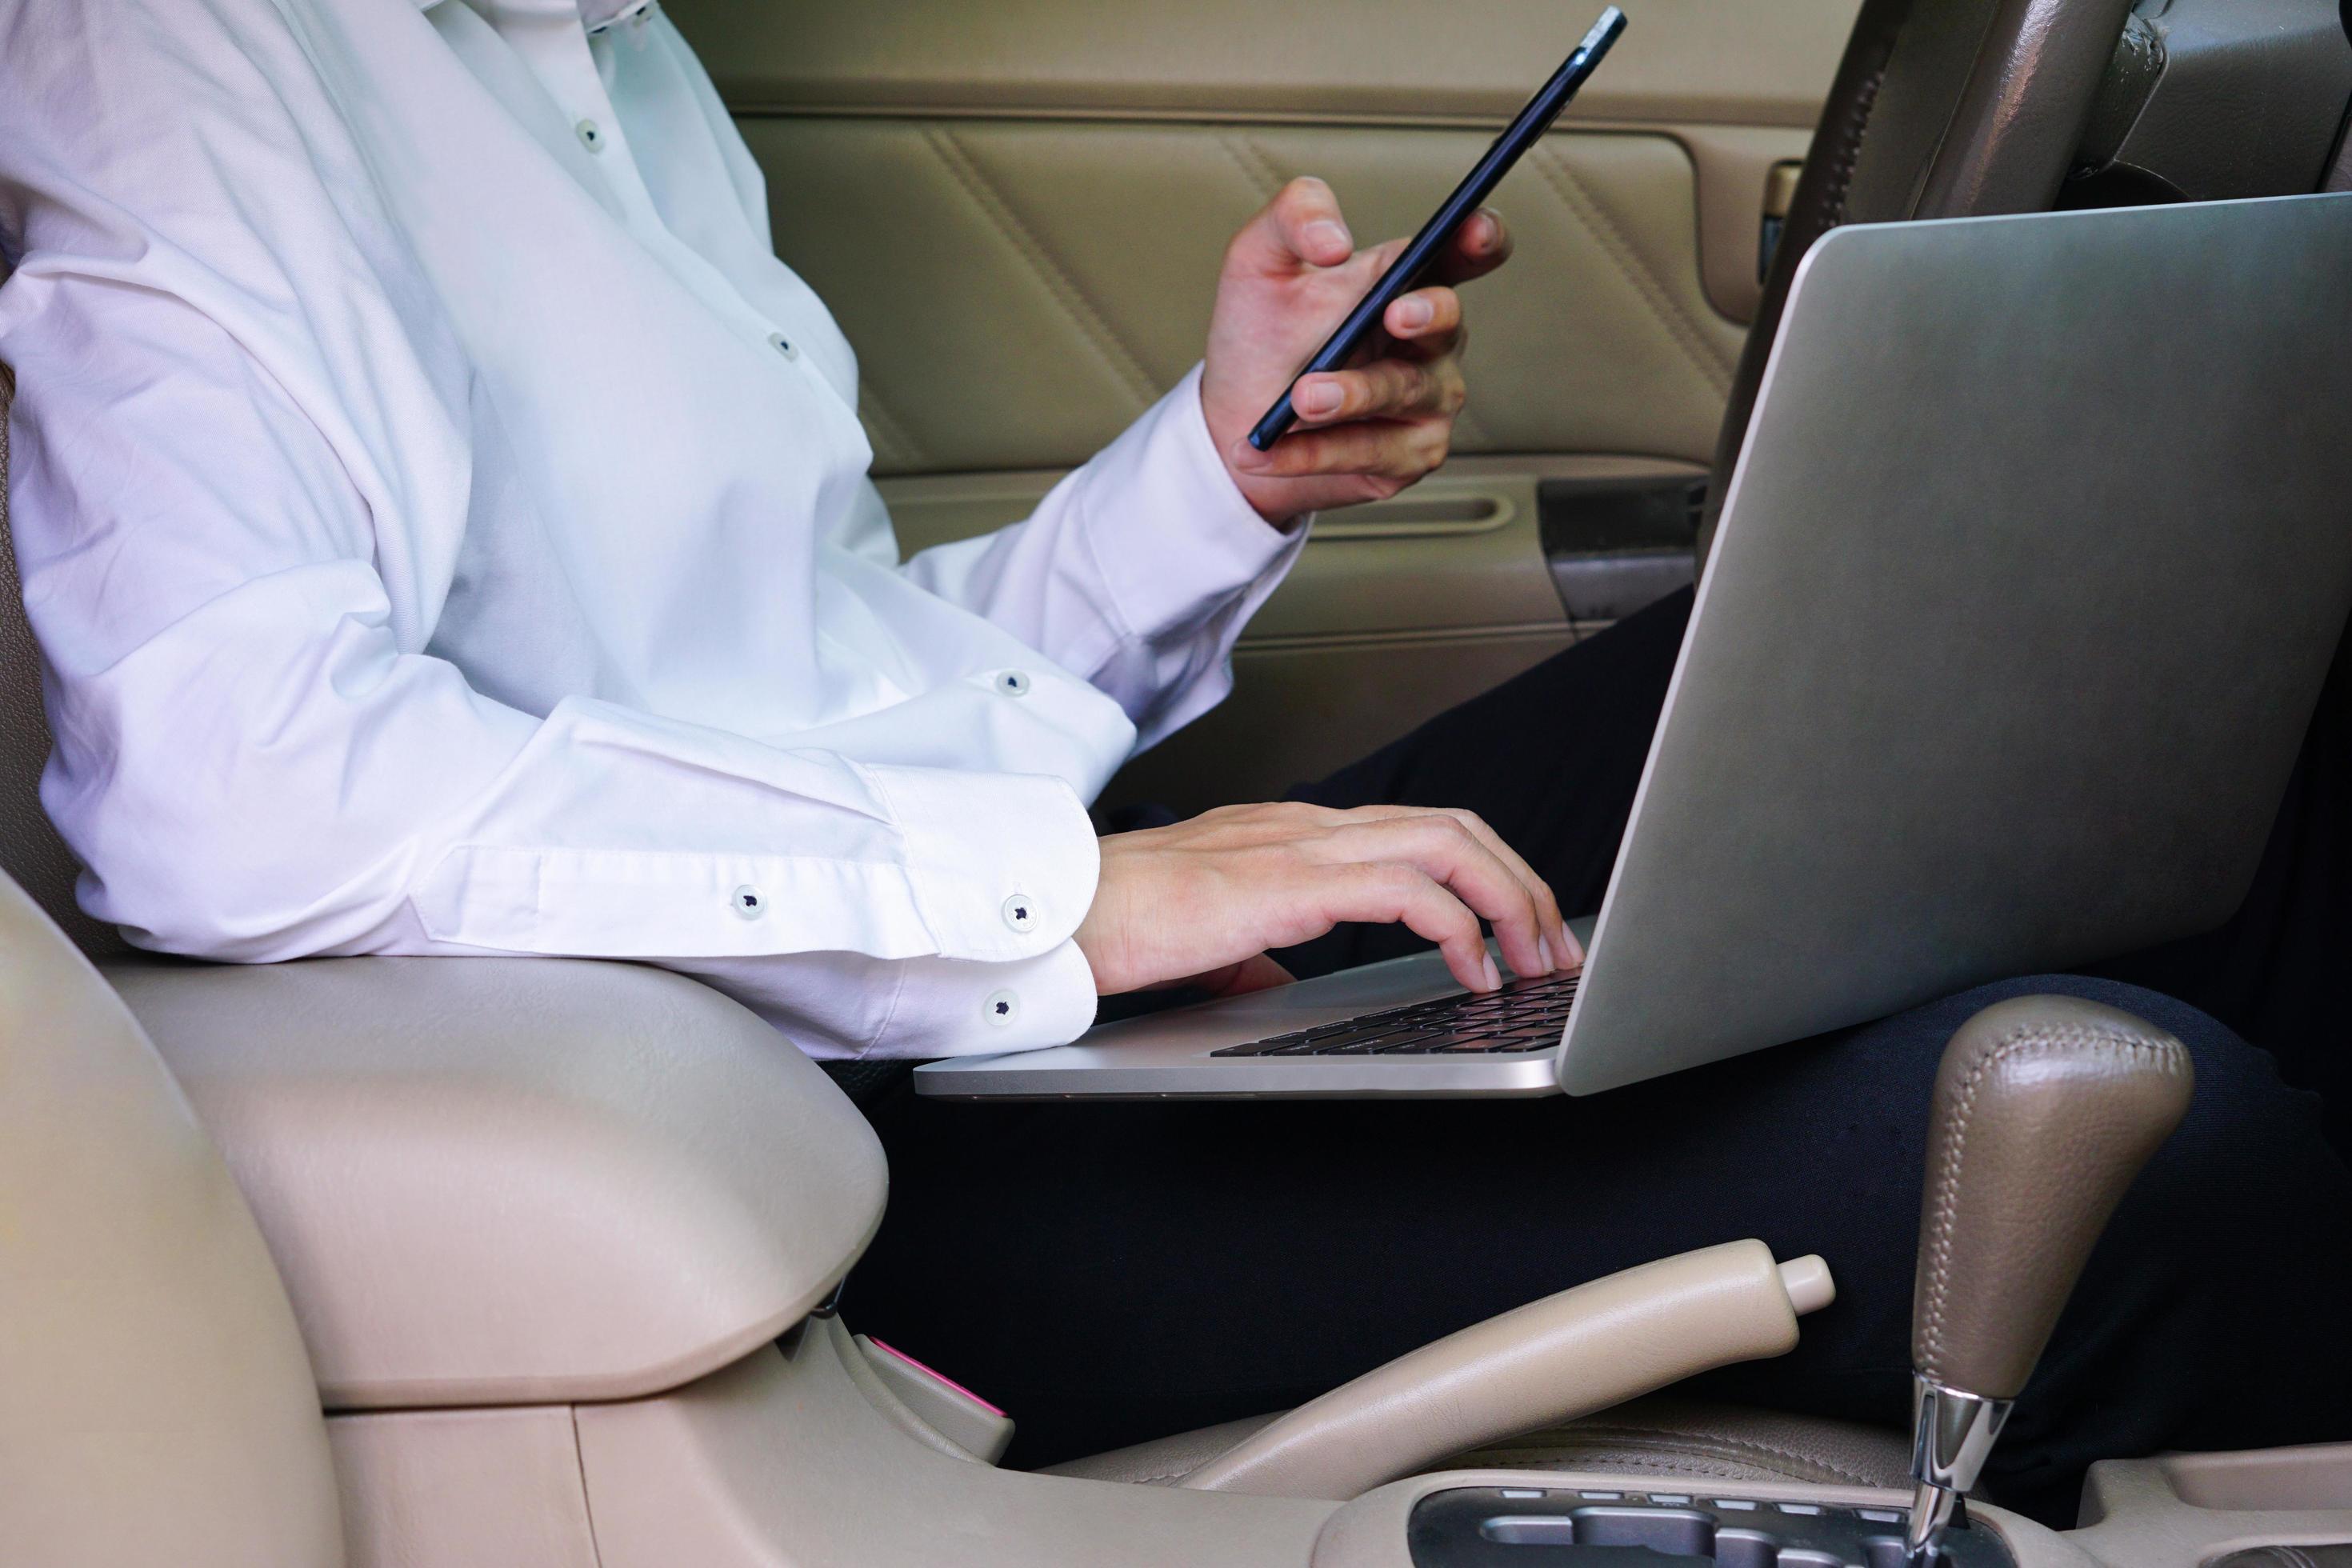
(2029, 575)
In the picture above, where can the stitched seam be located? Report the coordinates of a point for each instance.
(1607, 1462)
(2024, 1040)
(892, 430)
(1092, 326)
(889, 1015)
(1848, 150)
(1663, 307)
(1255, 166)
(1163, 1479)
(1719, 1447)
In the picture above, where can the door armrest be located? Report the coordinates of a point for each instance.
(505, 1181)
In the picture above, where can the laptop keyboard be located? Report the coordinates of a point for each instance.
(1524, 1015)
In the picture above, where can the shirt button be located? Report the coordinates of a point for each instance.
(782, 345)
(1001, 1007)
(749, 902)
(1014, 683)
(1021, 912)
(590, 136)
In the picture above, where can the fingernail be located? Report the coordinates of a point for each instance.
(1325, 236)
(1413, 313)
(1322, 397)
(1493, 975)
(1543, 950)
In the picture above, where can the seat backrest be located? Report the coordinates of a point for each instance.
(1939, 108)
(156, 1404)
(30, 850)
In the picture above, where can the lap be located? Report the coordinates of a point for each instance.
(1120, 1271)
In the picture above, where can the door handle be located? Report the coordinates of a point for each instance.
(1780, 198)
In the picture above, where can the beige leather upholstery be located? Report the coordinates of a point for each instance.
(30, 850)
(506, 1180)
(1543, 1369)
(1665, 1437)
(2045, 1108)
(1683, 60)
(1568, 1355)
(155, 1404)
(1015, 304)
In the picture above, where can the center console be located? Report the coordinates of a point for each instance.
(1491, 1527)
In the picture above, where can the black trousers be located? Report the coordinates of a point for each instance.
(1114, 1272)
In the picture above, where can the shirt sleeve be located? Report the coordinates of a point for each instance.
(255, 762)
(1139, 570)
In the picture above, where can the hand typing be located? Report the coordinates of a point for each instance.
(1202, 901)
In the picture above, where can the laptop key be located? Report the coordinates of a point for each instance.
(1353, 1044)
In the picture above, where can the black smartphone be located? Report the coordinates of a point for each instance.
(1405, 274)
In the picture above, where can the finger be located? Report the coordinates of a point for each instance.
(1482, 244)
(1442, 849)
(1389, 893)
(1428, 317)
(1402, 451)
(1565, 951)
(1289, 821)
(1301, 226)
(1384, 389)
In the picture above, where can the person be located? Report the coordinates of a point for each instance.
(447, 530)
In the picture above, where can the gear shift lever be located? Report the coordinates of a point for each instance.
(2045, 1108)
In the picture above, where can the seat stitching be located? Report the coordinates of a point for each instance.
(2025, 1038)
(893, 430)
(1847, 153)
(1093, 327)
(1662, 305)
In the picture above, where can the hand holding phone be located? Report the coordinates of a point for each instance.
(1413, 264)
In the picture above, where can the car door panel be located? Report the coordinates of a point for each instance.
(1724, 62)
(1019, 291)
(1017, 210)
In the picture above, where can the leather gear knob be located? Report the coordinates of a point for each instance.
(2045, 1109)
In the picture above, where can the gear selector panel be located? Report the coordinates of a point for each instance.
(1511, 1526)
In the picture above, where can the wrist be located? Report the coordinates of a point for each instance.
(1228, 424)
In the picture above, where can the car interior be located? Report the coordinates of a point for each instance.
(399, 1262)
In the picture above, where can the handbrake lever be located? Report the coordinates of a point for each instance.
(1567, 1355)
(2045, 1109)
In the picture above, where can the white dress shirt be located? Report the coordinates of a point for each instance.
(447, 530)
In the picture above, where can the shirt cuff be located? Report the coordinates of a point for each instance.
(949, 1009)
(1003, 866)
(1170, 530)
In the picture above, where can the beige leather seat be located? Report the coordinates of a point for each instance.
(158, 1404)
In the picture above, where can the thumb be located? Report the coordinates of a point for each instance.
(1300, 228)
